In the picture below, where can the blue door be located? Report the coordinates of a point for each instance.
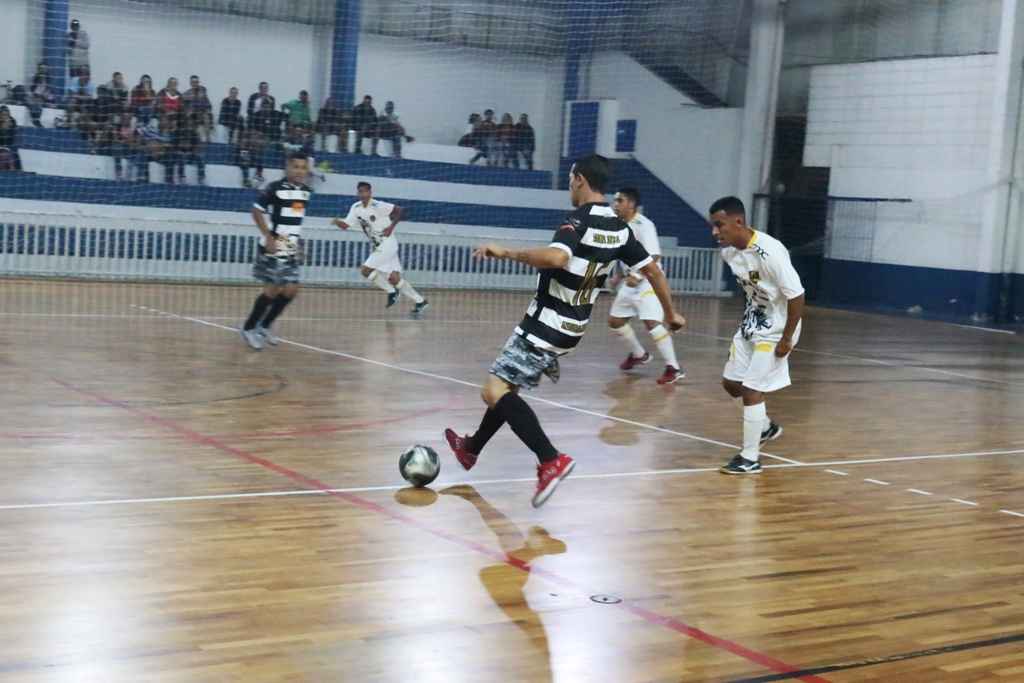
(583, 128)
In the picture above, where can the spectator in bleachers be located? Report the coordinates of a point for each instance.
(486, 131)
(298, 110)
(197, 104)
(106, 116)
(333, 120)
(118, 90)
(249, 153)
(188, 145)
(163, 149)
(364, 122)
(300, 139)
(230, 115)
(526, 141)
(505, 139)
(40, 94)
(81, 95)
(257, 98)
(122, 145)
(78, 50)
(9, 141)
(268, 125)
(389, 128)
(469, 138)
(150, 142)
(168, 100)
(143, 99)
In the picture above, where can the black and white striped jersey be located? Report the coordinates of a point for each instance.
(285, 202)
(595, 239)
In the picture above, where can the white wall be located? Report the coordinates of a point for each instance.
(436, 87)
(17, 31)
(694, 151)
(224, 51)
(910, 129)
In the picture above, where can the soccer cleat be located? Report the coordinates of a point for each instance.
(252, 338)
(392, 298)
(632, 361)
(549, 475)
(773, 432)
(740, 465)
(672, 375)
(419, 308)
(268, 335)
(459, 446)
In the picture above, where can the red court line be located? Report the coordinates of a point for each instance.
(647, 615)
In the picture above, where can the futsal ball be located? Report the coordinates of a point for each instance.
(419, 465)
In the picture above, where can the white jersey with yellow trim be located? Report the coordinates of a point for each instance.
(768, 279)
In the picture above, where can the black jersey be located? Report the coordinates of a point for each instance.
(285, 203)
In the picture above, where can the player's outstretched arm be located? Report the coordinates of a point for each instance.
(340, 223)
(542, 258)
(659, 282)
(396, 216)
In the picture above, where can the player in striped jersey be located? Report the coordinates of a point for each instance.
(277, 263)
(635, 297)
(573, 269)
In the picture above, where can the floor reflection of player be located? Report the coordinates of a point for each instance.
(505, 583)
(635, 402)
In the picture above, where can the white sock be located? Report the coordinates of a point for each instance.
(380, 280)
(663, 340)
(405, 288)
(636, 349)
(753, 425)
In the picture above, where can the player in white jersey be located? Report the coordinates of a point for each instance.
(770, 328)
(636, 299)
(378, 219)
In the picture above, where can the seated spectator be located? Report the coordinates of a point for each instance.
(151, 142)
(168, 100)
(80, 98)
(389, 128)
(118, 90)
(9, 141)
(122, 145)
(506, 135)
(230, 115)
(267, 123)
(106, 113)
(333, 120)
(188, 146)
(196, 103)
(40, 94)
(249, 153)
(142, 100)
(525, 142)
(364, 122)
(469, 138)
(300, 139)
(257, 98)
(298, 110)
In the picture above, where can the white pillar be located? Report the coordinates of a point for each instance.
(767, 34)
(1001, 207)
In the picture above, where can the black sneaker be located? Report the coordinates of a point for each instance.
(773, 432)
(740, 465)
(418, 310)
(392, 299)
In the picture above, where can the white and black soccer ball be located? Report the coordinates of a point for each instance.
(419, 465)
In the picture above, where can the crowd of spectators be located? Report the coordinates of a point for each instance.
(501, 143)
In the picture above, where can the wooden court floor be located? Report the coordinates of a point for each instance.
(174, 507)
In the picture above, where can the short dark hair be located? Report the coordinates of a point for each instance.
(264, 83)
(732, 206)
(596, 169)
(630, 193)
(118, 73)
(362, 184)
(296, 156)
(193, 76)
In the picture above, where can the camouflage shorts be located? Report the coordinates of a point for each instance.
(275, 271)
(521, 364)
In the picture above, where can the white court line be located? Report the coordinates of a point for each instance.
(445, 378)
(920, 492)
(1011, 512)
(964, 502)
(841, 474)
(876, 481)
(982, 329)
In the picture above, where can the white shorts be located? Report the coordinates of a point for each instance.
(385, 257)
(637, 302)
(754, 364)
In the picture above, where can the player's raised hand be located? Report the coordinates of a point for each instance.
(486, 251)
(676, 322)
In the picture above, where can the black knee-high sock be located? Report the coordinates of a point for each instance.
(275, 310)
(489, 426)
(524, 423)
(258, 310)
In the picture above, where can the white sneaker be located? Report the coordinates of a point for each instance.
(253, 338)
(268, 336)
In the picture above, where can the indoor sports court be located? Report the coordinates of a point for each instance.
(264, 420)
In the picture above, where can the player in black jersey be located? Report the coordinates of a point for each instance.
(573, 270)
(277, 263)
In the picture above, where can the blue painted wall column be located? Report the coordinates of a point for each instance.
(345, 50)
(55, 28)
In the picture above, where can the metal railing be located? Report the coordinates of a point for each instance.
(140, 249)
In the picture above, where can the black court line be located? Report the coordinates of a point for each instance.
(875, 661)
